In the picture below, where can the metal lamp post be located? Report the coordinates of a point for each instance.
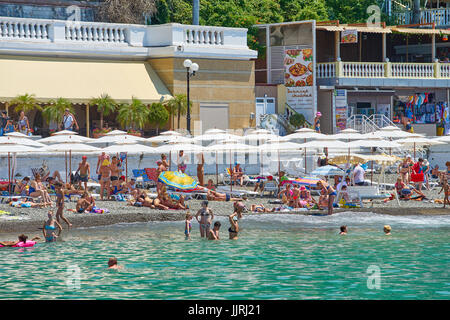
(191, 69)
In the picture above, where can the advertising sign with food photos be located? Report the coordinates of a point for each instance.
(349, 36)
(299, 80)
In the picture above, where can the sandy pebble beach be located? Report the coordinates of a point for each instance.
(31, 219)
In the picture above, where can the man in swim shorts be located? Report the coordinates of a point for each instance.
(214, 233)
(85, 171)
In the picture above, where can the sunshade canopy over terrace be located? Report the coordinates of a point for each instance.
(80, 80)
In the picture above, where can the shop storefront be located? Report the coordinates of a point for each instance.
(427, 109)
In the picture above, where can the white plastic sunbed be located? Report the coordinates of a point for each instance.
(238, 192)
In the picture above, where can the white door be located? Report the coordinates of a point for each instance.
(260, 109)
(270, 105)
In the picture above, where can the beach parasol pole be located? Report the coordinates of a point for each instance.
(231, 174)
(9, 174)
(371, 172)
(414, 151)
(70, 162)
(65, 162)
(217, 170)
(126, 167)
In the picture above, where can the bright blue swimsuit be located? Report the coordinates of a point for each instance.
(50, 238)
(333, 193)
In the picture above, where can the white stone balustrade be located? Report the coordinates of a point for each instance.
(172, 34)
(383, 70)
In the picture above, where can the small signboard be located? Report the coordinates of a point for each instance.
(349, 36)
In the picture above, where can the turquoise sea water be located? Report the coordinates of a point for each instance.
(275, 257)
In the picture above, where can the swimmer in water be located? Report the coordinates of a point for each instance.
(234, 218)
(22, 238)
(387, 230)
(214, 233)
(112, 264)
(343, 230)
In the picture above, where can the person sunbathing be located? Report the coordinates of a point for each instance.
(85, 203)
(405, 192)
(37, 189)
(216, 196)
(260, 208)
(21, 188)
(69, 189)
(168, 201)
(151, 203)
(27, 204)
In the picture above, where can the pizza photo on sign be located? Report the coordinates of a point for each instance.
(288, 61)
(309, 80)
(300, 83)
(307, 54)
(293, 53)
(287, 76)
(297, 70)
(290, 82)
(310, 67)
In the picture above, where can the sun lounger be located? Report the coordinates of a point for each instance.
(238, 192)
(365, 193)
(271, 187)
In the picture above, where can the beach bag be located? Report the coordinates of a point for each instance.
(417, 177)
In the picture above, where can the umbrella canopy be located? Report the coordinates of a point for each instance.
(117, 133)
(302, 136)
(180, 139)
(390, 128)
(74, 147)
(259, 137)
(129, 147)
(231, 147)
(372, 143)
(259, 131)
(170, 133)
(177, 180)
(304, 130)
(419, 142)
(22, 141)
(214, 131)
(64, 132)
(444, 139)
(217, 137)
(349, 130)
(318, 144)
(306, 181)
(17, 135)
(395, 134)
(328, 171)
(65, 138)
(274, 146)
(179, 146)
(362, 158)
(118, 138)
(16, 148)
(349, 136)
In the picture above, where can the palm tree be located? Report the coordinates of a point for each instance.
(134, 115)
(178, 105)
(158, 115)
(54, 111)
(105, 105)
(25, 103)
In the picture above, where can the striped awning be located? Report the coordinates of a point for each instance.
(420, 31)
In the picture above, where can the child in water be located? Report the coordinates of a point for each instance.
(387, 230)
(188, 226)
(343, 230)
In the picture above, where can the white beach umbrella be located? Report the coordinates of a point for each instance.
(64, 132)
(214, 131)
(117, 138)
(177, 147)
(259, 131)
(322, 143)
(17, 135)
(170, 133)
(348, 135)
(116, 133)
(276, 146)
(20, 140)
(445, 139)
(305, 130)
(373, 143)
(217, 137)
(179, 139)
(390, 128)
(11, 147)
(394, 134)
(349, 130)
(418, 142)
(302, 136)
(65, 138)
(259, 137)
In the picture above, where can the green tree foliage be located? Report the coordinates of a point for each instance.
(25, 103)
(105, 105)
(134, 115)
(158, 115)
(350, 11)
(54, 111)
(297, 120)
(177, 106)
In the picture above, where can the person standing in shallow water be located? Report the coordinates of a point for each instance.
(233, 230)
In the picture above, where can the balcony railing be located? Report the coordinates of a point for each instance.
(113, 34)
(341, 69)
(439, 16)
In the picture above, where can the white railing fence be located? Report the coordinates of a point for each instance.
(326, 70)
(11, 28)
(412, 70)
(95, 33)
(363, 70)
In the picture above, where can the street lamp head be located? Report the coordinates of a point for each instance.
(187, 63)
(194, 67)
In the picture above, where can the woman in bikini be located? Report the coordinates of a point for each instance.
(217, 196)
(330, 192)
(287, 195)
(60, 203)
(296, 197)
(115, 183)
(234, 221)
(37, 190)
(404, 170)
(206, 217)
(49, 228)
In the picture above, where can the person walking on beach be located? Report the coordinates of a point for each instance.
(60, 203)
(85, 171)
(105, 178)
(206, 217)
(49, 228)
(214, 233)
(418, 170)
(331, 194)
(446, 190)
